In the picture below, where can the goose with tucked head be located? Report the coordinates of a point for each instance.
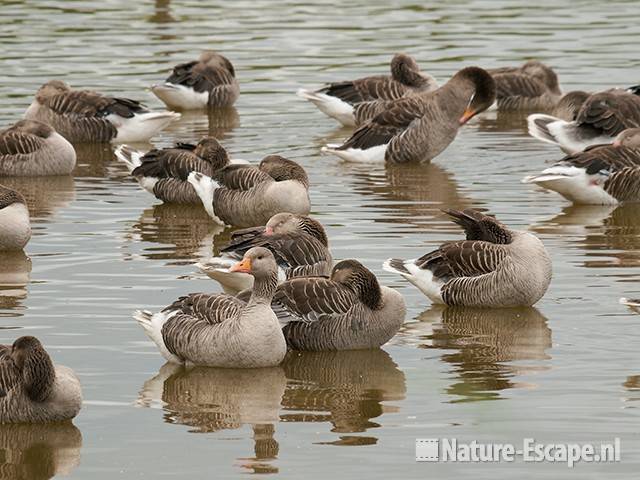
(532, 86)
(15, 226)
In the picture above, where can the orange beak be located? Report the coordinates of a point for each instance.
(243, 267)
(466, 116)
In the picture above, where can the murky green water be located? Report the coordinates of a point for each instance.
(564, 371)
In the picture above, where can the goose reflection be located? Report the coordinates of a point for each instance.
(193, 125)
(38, 451)
(483, 342)
(94, 160)
(346, 389)
(15, 273)
(496, 121)
(44, 195)
(162, 12)
(632, 387)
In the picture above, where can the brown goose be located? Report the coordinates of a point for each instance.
(87, 116)
(32, 388)
(338, 100)
(15, 227)
(298, 242)
(601, 174)
(569, 105)
(347, 311)
(207, 82)
(533, 85)
(247, 196)
(420, 127)
(220, 330)
(493, 267)
(32, 148)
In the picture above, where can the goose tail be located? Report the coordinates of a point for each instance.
(142, 126)
(538, 125)
(205, 187)
(131, 157)
(395, 265)
(331, 106)
(152, 324)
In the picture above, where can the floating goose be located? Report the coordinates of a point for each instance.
(32, 148)
(298, 242)
(163, 172)
(340, 100)
(32, 388)
(247, 196)
(87, 116)
(533, 85)
(494, 267)
(15, 227)
(420, 127)
(600, 175)
(348, 311)
(220, 330)
(569, 105)
(209, 81)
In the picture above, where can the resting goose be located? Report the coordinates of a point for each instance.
(347, 311)
(298, 242)
(87, 116)
(600, 175)
(247, 196)
(209, 81)
(493, 267)
(340, 99)
(420, 127)
(533, 85)
(15, 227)
(32, 388)
(221, 330)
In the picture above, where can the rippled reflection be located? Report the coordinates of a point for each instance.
(193, 125)
(44, 195)
(15, 272)
(93, 159)
(632, 388)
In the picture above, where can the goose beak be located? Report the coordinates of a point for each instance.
(268, 230)
(466, 116)
(243, 267)
(616, 143)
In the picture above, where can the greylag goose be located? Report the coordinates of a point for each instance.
(533, 85)
(340, 99)
(209, 81)
(600, 175)
(163, 172)
(247, 196)
(220, 330)
(32, 148)
(600, 118)
(493, 267)
(15, 227)
(347, 311)
(32, 388)
(420, 127)
(298, 242)
(88, 116)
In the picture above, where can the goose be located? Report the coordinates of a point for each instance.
(221, 330)
(600, 118)
(163, 172)
(88, 116)
(493, 267)
(209, 81)
(600, 175)
(15, 227)
(247, 196)
(32, 388)
(347, 311)
(32, 148)
(298, 242)
(339, 100)
(533, 85)
(420, 127)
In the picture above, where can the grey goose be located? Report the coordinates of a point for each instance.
(15, 226)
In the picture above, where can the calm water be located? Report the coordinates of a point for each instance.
(566, 370)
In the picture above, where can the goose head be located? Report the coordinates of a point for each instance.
(210, 150)
(259, 262)
(281, 169)
(35, 365)
(483, 89)
(359, 279)
(33, 127)
(629, 138)
(542, 73)
(52, 88)
(283, 223)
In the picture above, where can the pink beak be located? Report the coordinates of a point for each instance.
(268, 230)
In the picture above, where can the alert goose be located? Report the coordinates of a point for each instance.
(32, 388)
(15, 227)
(163, 172)
(298, 242)
(220, 330)
(601, 174)
(32, 148)
(209, 81)
(337, 100)
(493, 267)
(420, 127)
(247, 196)
(347, 311)
(601, 117)
(531, 86)
(87, 116)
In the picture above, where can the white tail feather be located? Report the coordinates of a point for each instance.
(180, 96)
(356, 155)
(142, 126)
(152, 324)
(331, 106)
(131, 157)
(205, 187)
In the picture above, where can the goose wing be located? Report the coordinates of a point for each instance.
(610, 112)
(200, 76)
(16, 143)
(240, 177)
(9, 375)
(86, 103)
(518, 85)
(603, 157)
(177, 162)
(207, 308)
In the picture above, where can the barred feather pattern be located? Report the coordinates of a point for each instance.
(9, 197)
(76, 128)
(610, 112)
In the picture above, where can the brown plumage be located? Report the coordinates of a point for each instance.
(533, 85)
(569, 105)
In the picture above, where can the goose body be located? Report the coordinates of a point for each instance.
(220, 330)
(32, 388)
(339, 100)
(15, 226)
(494, 267)
(419, 127)
(88, 116)
(208, 82)
(247, 196)
(32, 148)
(531, 86)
